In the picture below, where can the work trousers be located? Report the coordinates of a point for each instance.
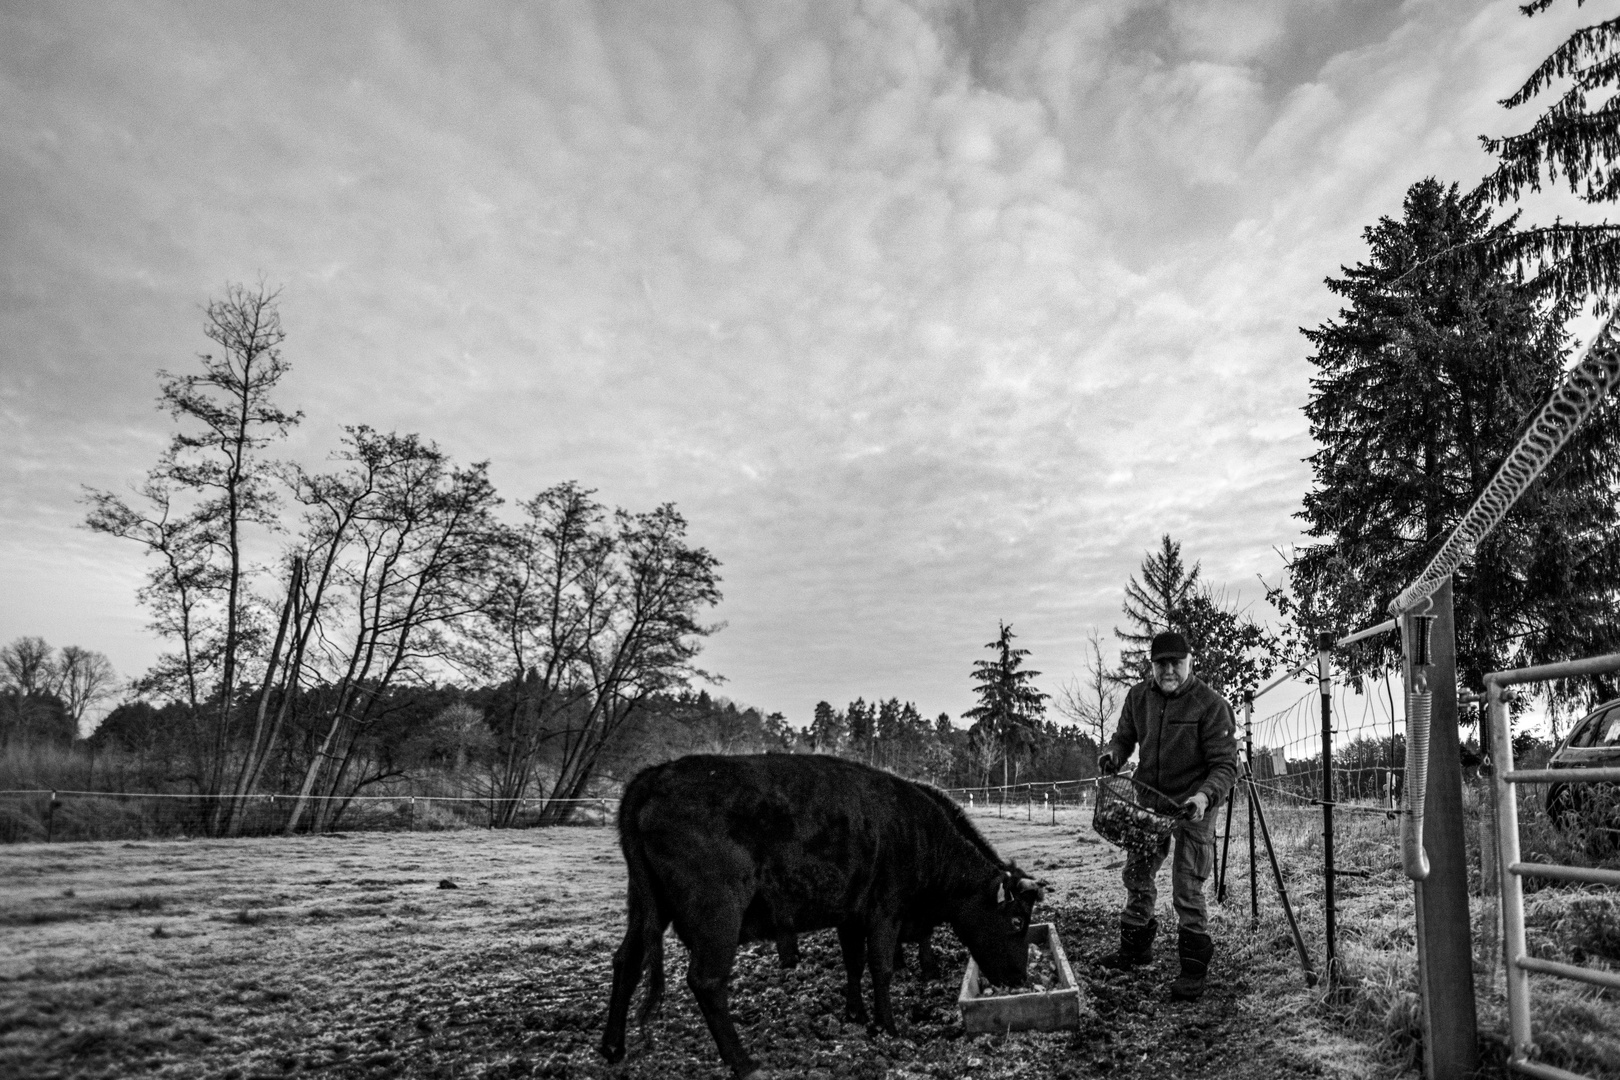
(1195, 858)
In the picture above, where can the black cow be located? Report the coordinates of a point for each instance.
(735, 849)
(922, 935)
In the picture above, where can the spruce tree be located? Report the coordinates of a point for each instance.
(1159, 602)
(1575, 140)
(1009, 705)
(1421, 386)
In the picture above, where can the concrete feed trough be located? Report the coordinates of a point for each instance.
(1052, 1009)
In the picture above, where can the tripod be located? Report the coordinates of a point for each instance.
(1257, 813)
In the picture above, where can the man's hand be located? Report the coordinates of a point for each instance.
(1199, 803)
(1106, 764)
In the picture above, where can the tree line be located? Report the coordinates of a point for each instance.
(308, 613)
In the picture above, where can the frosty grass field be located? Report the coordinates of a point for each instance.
(349, 956)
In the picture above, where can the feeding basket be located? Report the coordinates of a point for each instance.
(1052, 1003)
(1132, 815)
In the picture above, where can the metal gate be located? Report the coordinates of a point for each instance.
(1517, 962)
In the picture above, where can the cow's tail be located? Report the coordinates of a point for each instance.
(645, 920)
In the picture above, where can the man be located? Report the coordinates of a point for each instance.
(1186, 735)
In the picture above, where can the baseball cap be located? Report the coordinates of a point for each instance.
(1169, 645)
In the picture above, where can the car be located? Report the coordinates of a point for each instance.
(1591, 809)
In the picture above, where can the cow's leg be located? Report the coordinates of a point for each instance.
(713, 949)
(882, 939)
(627, 965)
(787, 950)
(852, 940)
(927, 958)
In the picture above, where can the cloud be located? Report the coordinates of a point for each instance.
(926, 315)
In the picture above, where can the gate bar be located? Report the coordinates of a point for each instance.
(1517, 961)
(1547, 1072)
(1589, 875)
(1570, 971)
(1558, 776)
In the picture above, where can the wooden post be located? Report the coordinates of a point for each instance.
(1445, 948)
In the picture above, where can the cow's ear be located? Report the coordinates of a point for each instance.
(1030, 889)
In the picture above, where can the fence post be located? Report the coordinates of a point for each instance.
(50, 818)
(1324, 679)
(1248, 750)
(1445, 948)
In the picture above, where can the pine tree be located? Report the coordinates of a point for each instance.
(1421, 386)
(1576, 139)
(1233, 652)
(1009, 705)
(888, 731)
(860, 717)
(1159, 602)
(827, 729)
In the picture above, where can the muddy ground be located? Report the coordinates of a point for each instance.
(351, 956)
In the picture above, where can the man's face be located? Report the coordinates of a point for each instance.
(1170, 673)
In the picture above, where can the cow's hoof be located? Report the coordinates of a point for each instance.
(613, 1054)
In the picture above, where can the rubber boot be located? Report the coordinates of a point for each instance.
(1195, 949)
(1135, 947)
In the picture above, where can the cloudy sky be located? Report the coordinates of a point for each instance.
(925, 314)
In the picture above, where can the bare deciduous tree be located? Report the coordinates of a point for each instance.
(27, 666)
(83, 679)
(1092, 701)
(590, 616)
(399, 546)
(209, 488)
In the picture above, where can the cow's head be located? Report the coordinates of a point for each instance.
(994, 925)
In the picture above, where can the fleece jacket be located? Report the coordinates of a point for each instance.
(1188, 739)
